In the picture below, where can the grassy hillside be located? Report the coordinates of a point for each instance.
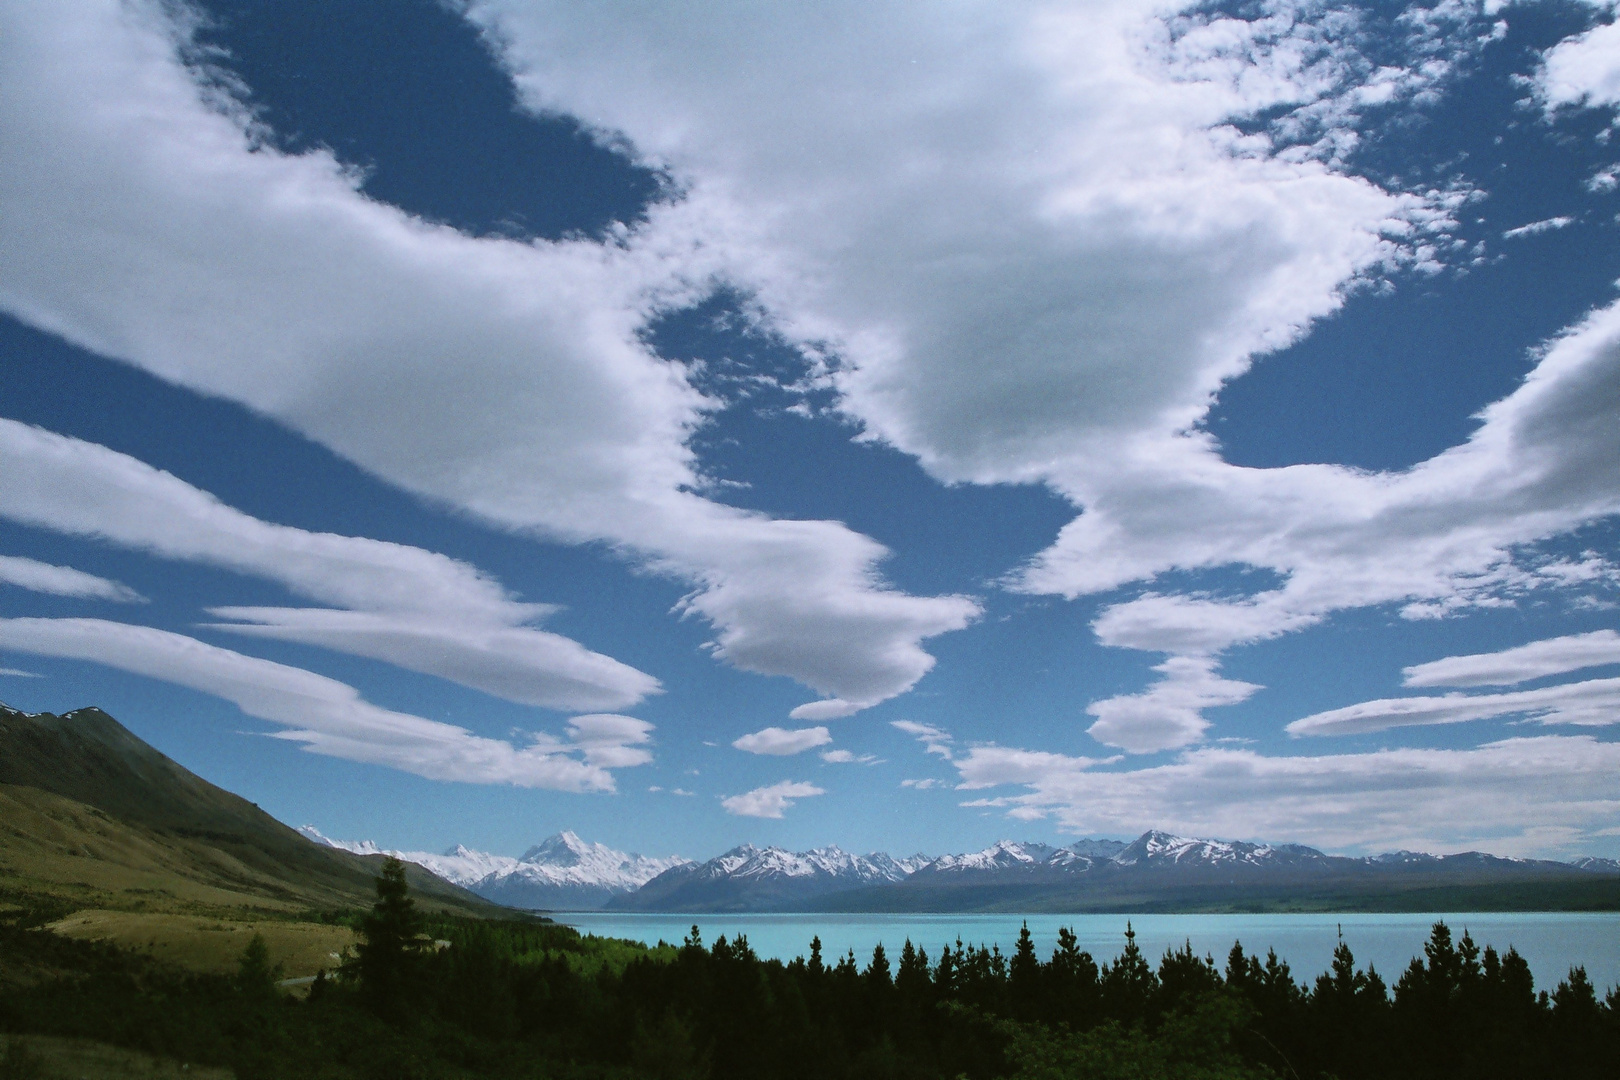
(200, 943)
(148, 823)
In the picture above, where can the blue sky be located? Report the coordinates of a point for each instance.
(455, 423)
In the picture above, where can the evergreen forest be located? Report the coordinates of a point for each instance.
(428, 996)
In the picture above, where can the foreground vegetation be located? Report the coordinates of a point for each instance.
(449, 996)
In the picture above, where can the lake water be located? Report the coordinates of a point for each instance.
(1551, 942)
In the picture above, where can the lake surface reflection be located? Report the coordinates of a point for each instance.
(1551, 942)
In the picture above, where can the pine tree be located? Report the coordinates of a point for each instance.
(255, 975)
(387, 958)
(877, 972)
(1128, 983)
(1024, 977)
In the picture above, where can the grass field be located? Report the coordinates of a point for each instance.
(58, 848)
(208, 944)
(40, 1057)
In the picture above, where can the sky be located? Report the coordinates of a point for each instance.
(892, 426)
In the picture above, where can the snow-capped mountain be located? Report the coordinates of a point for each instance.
(1596, 865)
(1011, 858)
(1155, 848)
(1004, 855)
(562, 872)
(748, 878)
(1156, 870)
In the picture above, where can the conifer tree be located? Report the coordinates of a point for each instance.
(1024, 976)
(878, 973)
(387, 958)
(255, 975)
(1128, 983)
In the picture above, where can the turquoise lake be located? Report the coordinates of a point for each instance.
(1551, 942)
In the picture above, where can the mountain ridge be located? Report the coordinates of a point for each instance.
(1157, 868)
(561, 872)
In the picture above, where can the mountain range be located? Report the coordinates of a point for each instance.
(1156, 871)
(559, 873)
(96, 818)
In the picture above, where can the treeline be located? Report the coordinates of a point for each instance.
(460, 997)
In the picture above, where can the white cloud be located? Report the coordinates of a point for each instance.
(1594, 702)
(1196, 625)
(1453, 532)
(848, 757)
(1102, 239)
(18, 673)
(62, 580)
(1582, 70)
(1553, 656)
(80, 488)
(922, 785)
(1517, 796)
(1038, 251)
(829, 709)
(935, 740)
(518, 663)
(507, 379)
(1169, 713)
(327, 716)
(418, 609)
(1034, 250)
(989, 766)
(1535, 228)
(611, 741)
(781, 742)
(769, 802)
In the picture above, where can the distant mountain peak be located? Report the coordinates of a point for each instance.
(561, 849)
(563, 871)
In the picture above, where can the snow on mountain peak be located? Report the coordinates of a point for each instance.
(562, 864)
(747, 861)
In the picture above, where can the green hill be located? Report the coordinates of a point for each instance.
(92, 817)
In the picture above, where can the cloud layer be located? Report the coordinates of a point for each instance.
(1029, 274)
(1595, 702)
(330, 717)
(507, 379)
(413, 608)
(1526, 795)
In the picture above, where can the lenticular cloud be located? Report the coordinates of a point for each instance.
(330, 717)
